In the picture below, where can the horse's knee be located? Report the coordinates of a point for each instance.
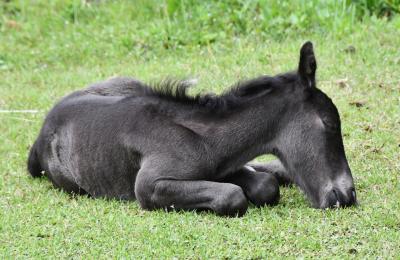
(231, 202)
(265, 191)
(144, 190)
(152, 194)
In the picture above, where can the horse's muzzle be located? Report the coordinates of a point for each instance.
(336, 198)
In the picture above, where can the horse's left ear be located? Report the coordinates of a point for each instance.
(307, 64)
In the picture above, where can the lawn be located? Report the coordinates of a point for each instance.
(50, 48)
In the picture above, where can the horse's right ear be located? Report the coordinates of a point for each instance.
(307, 64)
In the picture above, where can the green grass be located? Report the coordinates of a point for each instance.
(49, 50)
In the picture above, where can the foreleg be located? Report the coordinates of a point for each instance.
(260, 188)
(273, 167)
(155, 191)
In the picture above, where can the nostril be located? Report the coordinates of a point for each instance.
(333, 199)
(353, 196)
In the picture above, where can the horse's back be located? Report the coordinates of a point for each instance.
(117, 86)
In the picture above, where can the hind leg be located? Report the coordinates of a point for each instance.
(65, 183)
(274, 167)
(155, 192)
(260, 188)
(55, 175)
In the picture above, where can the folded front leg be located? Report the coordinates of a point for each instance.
(155, 191)
(274, 167)
(260, 188)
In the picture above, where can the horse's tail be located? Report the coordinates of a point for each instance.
(34, 167)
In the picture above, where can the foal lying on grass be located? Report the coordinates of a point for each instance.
(123, 139)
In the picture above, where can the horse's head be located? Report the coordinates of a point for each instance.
(310, 144)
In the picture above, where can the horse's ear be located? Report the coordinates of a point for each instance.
(307, 64)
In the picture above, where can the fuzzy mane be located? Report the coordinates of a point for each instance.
(242, 92)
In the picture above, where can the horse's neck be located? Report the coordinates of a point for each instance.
(238, 135)
(242, 135)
